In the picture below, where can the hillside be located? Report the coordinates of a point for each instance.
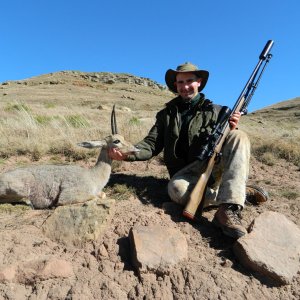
(42, 120)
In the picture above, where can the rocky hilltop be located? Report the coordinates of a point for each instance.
(94, 88)
(63, 77)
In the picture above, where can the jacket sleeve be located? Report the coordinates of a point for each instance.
(153, 143)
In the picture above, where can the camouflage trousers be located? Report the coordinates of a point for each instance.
(229, 175)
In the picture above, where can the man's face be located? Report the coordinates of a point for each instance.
(187, 85)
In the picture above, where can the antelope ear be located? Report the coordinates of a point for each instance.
(92, 144)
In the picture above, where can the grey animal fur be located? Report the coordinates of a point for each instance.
(45, 186)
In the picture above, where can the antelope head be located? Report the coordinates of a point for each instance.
(112, 141)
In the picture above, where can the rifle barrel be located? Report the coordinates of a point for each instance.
(249, 85)
(266, 50)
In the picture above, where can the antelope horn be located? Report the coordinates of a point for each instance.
(113, 121)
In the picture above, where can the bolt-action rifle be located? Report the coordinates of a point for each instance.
(211, 151)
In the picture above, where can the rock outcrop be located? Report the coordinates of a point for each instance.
(157, 248)
(74, 225)
(272, 247)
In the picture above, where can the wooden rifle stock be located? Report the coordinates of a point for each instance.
(212, 150)
(196, 199)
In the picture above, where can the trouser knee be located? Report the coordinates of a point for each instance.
(237, 136)
(177, 190)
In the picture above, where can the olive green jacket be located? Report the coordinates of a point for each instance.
(165, 132)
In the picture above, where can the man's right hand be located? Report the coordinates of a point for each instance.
(115, 154)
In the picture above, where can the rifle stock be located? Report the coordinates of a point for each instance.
(212, 149)
(196, 198)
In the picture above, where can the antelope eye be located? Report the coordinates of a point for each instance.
(116, 141)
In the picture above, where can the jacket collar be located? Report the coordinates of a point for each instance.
(178, 99)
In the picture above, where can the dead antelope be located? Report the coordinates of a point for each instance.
(45, 186)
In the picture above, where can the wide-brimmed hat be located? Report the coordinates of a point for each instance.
(187, 67)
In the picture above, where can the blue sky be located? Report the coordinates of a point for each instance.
(145, 38)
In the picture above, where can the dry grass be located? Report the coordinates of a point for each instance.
(268, 151)
(275, 133)
(27, 130)
(49, 114)
(35, 132)
(120, 192)
(41, 119)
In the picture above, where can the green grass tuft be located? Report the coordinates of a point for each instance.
(77, 121)
(49, 105)
(16, 107)
(42, 120)
(135, 121)
(290, 194)
(120, 191)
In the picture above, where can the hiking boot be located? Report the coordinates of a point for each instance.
(256, 195)
(228, 218)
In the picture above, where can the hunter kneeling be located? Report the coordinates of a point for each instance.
(181, 129)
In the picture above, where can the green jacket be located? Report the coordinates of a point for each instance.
(165, 132)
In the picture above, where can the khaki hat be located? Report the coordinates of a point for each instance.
(187, 67)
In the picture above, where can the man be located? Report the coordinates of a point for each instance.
(180, 130)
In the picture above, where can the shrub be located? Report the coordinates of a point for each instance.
(36, 154)
(267, 158)
(287, 150)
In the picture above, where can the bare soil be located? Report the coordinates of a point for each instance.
(103, 269)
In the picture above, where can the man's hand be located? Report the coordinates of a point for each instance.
(234, 120)
(115, 154)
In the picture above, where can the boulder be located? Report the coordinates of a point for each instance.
(272, 248)
(74, 225)
(157, 248)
